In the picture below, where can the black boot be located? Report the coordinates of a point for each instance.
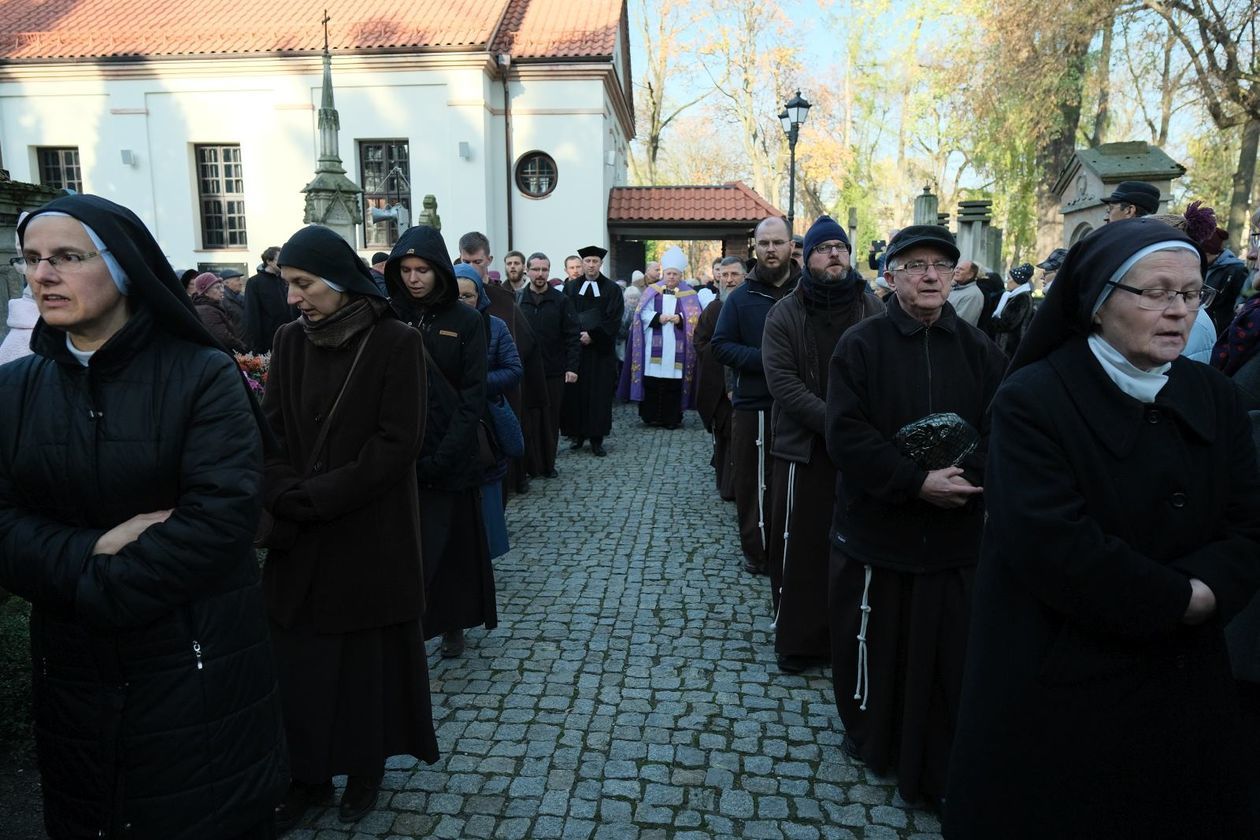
(299, 799)
(359, 798)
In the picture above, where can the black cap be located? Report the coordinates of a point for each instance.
(1052, 262)
(1140, 194)
(916, 235)
(379, 257)
(229, 273)
(592, 251)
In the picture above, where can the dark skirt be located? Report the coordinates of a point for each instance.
(911, 680)
(458, 577)
(541, 427)
(352, 700)
(587, 408)
(800, 552)
(662, 402)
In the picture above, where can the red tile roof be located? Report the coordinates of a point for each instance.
(719, 203)
(63, 29)
(559, 28)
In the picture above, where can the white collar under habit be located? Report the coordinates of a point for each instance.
(592, 285)
(1142, 385)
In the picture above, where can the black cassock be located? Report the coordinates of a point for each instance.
(588, 402)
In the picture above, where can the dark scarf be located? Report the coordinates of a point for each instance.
(820, 294)
(343, 325)
(1240, 341)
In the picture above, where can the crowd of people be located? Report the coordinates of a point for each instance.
(1020, 524)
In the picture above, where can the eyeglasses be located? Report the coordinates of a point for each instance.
(1161, 299)
(918, 268)
(827, 247)
(67, 263)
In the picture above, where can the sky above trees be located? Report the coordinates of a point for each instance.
(976, 98)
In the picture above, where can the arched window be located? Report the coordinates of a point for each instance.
(536, 174)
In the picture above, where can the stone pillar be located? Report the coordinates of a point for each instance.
(925, 210)
(974, 222)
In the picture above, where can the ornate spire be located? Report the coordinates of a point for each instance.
(332, 199)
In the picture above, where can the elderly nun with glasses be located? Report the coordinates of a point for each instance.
(1123, 532)
(130, 473)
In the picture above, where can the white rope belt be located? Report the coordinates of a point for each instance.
(863, 690)
(761, 476)
(787, 536)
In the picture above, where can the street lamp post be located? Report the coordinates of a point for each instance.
(792, 118)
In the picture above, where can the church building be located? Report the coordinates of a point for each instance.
(204, 116)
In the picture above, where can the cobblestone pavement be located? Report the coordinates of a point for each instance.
(630, 689)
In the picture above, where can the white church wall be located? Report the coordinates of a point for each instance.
(271, 112)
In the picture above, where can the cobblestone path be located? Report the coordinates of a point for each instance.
(630, 689)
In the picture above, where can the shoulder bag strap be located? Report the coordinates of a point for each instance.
(327, 424)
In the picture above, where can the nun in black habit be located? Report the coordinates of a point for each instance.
(346, 399)
(1123, 532)
(458, 577)
(130, 467)
(599, 304)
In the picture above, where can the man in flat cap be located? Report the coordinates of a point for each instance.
(1050, 267)
(907, 429)
(1132, 199)
(599, 305)
(234, 297)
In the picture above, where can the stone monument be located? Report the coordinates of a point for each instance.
(1092, 174)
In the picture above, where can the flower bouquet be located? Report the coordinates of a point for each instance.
(254, 367)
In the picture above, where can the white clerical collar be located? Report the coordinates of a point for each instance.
(592, 285)
(1142, 385)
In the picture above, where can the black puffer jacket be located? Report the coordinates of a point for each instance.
(455, 342)
(156, 712)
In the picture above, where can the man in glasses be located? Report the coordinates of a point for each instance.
(801, 331)
(737, 344)
(907, 430)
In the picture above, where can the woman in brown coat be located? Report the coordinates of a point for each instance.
(343, 576)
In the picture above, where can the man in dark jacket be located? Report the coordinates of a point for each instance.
(266, 304)
(234, 298)
(555, 325)
(1227, 274)
(712, 401)
(801, 332)
(737, 344)
(906, 529)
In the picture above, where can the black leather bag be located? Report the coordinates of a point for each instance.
(937, 441)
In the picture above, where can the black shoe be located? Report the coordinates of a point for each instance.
(755, 568)
(359, 798)
(793, 664)
(551, 474)
(299, 799)
(850, 748)
(597, 449)
(452, 644)
(522, 486)
(575, 444)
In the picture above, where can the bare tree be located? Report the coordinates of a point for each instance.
(1222, 40)
(659, 23)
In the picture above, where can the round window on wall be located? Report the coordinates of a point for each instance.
(536, 174)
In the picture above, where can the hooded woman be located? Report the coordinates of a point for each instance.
(1123, 524)
(343, 576)
(503, 371)
(207, 296)
(457, 573)
(130, 469)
